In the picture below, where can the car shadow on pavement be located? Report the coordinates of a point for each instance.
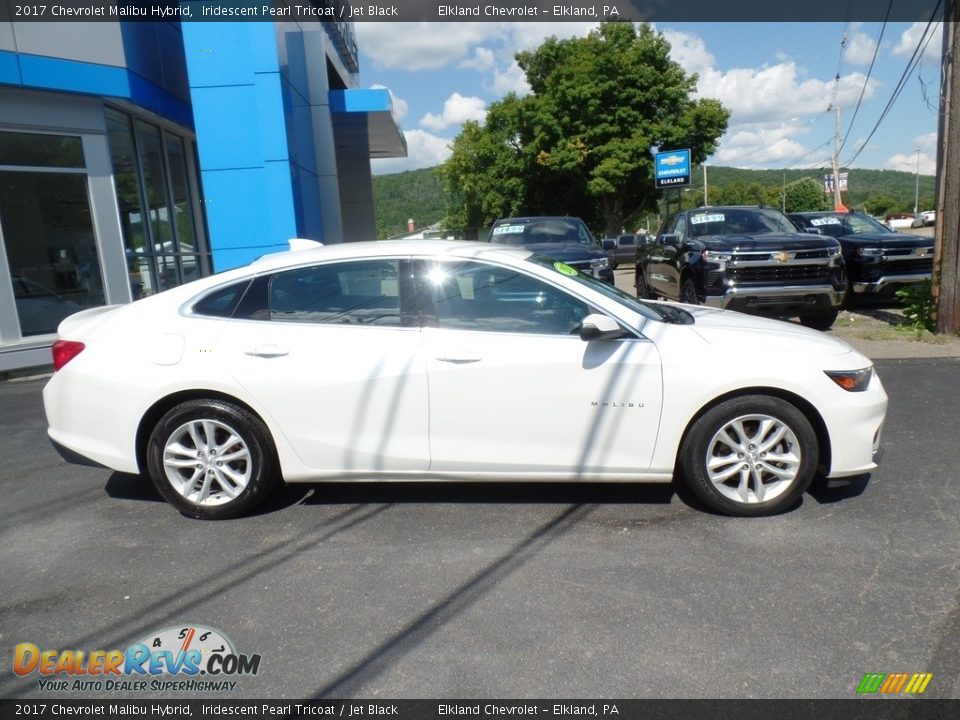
(126, 486)
(826, 491)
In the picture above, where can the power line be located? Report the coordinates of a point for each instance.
(908, 70)
(866, 81)
(808, 154)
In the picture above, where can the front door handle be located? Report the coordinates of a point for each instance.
(268, 350)
(458, 359)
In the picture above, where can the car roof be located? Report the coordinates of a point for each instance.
(536, 218)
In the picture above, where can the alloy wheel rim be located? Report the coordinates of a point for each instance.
(753, 459)
(207, 462)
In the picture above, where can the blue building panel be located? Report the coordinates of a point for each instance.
(10, 68)
(228, 135)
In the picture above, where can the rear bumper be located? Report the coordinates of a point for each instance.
(73, 457)
(814, 296)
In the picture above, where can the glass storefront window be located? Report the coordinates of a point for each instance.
(50, 245)
(153, 178)
(38, 150)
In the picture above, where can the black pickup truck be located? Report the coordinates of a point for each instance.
(750, 259)
(878, 260)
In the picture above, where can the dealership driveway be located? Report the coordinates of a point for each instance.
(506, 591)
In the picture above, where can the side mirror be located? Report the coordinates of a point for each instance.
(670, 239)
(599, 327)
(609, 244)
(813, 231)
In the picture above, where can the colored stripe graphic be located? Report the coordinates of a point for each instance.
(894, 683)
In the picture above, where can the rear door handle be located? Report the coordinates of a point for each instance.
(268, 350)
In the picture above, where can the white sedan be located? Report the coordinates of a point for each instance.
(435, 360)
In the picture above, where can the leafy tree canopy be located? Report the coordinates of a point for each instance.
(580, 142)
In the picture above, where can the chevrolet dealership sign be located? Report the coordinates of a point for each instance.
(672, 169)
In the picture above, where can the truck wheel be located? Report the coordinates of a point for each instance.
(688, 293)
(643, 292)
(819, 321)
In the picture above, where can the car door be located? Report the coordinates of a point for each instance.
(333, 355)
(515, 391)
(660, 255)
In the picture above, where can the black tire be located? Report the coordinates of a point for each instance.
(703, 440)
(688, 292)
(643, 292)
(614, 264)
(252, 457)
(822, 320)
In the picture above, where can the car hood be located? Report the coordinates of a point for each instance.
(773, 241)
(726, 328)
(566, 251)
(888, 240)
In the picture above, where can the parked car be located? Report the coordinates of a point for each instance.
(567, 239)
(439, 360)
(878, 260)
(623, 248)
(927, 218)
(744, 258)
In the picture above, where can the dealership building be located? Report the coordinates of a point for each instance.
(136, 156)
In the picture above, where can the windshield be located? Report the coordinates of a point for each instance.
(538, 232)
(847, 224)
(650, 311)
(738, 221)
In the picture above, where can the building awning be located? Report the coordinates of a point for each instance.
(365, 118)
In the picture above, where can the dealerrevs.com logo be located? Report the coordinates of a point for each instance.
(899, 683)
(183, 658)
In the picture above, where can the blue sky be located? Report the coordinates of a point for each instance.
(776, 79)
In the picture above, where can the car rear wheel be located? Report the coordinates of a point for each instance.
(750, 456)
(819, 321)
(211, 459)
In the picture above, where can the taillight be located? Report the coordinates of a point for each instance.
(64, 351)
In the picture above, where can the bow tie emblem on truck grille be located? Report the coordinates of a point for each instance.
(784, 256)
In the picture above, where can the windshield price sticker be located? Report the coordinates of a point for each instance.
(508, 229)
(817, 222)
(565, 269)
(700, 219)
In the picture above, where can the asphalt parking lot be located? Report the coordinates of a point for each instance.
(464, 591)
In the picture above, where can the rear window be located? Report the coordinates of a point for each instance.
(222, 302)
(541, 232)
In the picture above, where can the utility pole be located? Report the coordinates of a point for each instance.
(706, 203)
(946, 260)
(837, 202)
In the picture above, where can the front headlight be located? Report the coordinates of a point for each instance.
(715, 256)
(851, 380)
(869, 251)
(600, 264)
(833, 252)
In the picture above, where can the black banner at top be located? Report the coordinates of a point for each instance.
(469, 11)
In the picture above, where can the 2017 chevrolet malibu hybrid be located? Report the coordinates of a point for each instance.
(434, 360)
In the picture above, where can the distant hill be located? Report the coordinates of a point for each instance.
(419, 194)
(416, 194)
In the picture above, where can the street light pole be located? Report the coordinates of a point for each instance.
(916, 197)
(706, 203)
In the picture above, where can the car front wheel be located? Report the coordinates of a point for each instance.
(211, 459)
(822, 321)
(750, 456)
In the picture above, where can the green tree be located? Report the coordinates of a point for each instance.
(804, 195)
(580, 142)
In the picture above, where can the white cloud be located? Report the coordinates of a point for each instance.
(777, 92)
(911, 37)
(927, 141)
(759, 144)
(399, 104)
(908, 163)
(512, 79)
(457, 109)
(421, 46)
(483, 60)
(688, 50)
(423, 150)
(860, 48)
